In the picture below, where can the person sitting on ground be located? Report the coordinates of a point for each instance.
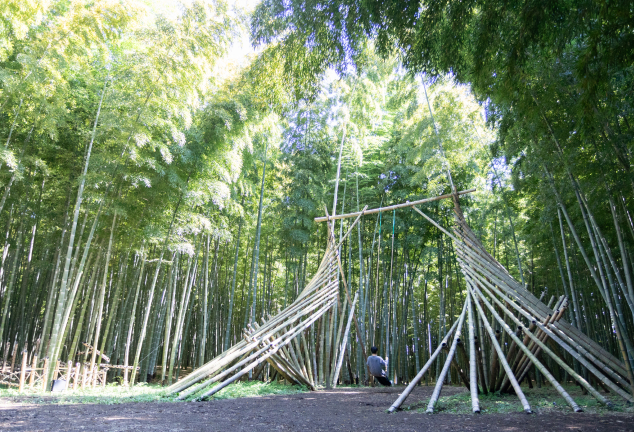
(376, 365)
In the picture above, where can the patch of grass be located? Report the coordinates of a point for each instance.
(110, 394)
(116, 394)
(243, 389)
(255, 389)
(542, 401)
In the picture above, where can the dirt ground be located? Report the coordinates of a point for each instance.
(347, 409)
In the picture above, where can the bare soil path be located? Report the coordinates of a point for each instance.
(347, 409)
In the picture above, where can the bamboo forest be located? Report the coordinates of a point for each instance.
(209, 197)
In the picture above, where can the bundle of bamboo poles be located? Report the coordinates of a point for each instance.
(281, 341)
(495, 299)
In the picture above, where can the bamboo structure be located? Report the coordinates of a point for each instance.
(497, 298)
(494, 300)
(280, 341)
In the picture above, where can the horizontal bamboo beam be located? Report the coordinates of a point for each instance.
(392, 207)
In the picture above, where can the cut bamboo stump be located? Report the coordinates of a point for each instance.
(45, 374)
(32, 374)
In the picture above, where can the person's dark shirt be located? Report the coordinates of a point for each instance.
(376, 365)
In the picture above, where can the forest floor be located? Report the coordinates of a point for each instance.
(348, 408)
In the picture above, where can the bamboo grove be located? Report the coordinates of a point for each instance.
(158, 197)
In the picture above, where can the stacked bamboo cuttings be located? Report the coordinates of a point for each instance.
(280, 341)
(495, 299)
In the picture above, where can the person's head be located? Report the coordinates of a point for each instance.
(374, 350)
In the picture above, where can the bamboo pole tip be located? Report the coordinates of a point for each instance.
(528, 411)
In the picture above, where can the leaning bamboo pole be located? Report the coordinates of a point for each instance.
(344, 341)
(443, 373)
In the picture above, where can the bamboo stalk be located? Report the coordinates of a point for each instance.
(32, 374)
(22, 372)
(481, 376)
(56, 370)
(473, 382)
(45, 374)
(76, 382)
(456, 366)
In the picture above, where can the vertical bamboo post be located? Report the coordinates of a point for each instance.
(495, 366)
(87, 378)
(32, 374)
(479, 362)
(15, 349)
(45, 374)
(56, 371)
(83, 375)
(94, 376)
(473, 373)
(22, 372)
(5, 355)
(77, 375)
